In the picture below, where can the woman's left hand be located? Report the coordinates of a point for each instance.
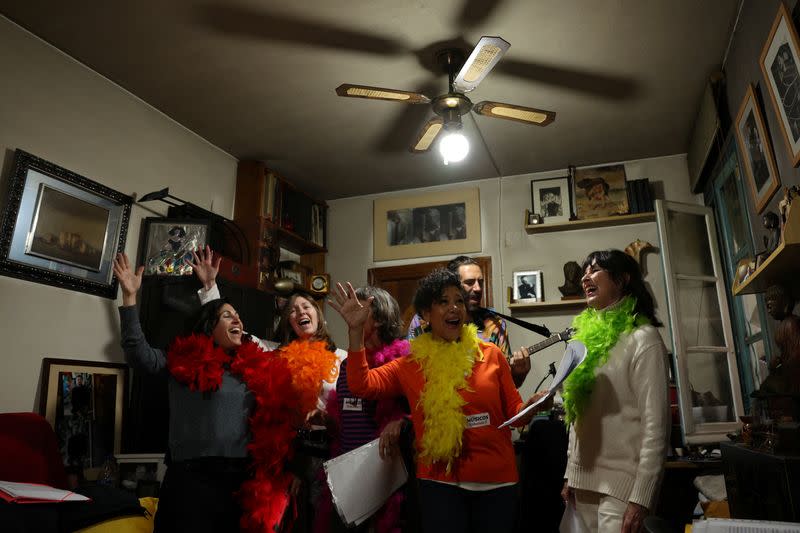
(389, 444)
(354, 313)
(633, 519)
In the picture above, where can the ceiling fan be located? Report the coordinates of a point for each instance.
(464, 76)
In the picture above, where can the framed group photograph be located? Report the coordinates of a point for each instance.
(552, 199)
(141, 473)
(438, 223)
(167, 244)
(527, 286)
(62, 229)
(780, 64)
(757, 155)
(83, 401)
(600, 192)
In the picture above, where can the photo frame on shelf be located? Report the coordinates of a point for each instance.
(757, 155)
(527, 286)
(167, 243)
(552, 199)
(62, 229)
(439, 223)
(84, 402)
(600, 192)
(780, 64)
(141, 473)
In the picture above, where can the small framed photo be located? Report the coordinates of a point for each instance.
(167, 243)
(600, 192)
(527, 286)
(551, 198)
(141, 473)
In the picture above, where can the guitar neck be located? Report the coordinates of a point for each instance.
(544, 344)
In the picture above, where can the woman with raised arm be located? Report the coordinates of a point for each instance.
(460, 390)
(617, 399)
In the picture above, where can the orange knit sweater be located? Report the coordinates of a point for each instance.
(487, 454)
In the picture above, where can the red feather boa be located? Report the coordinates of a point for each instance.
(280, 381)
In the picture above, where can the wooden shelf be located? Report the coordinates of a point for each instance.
(541, 307)
(293, 242)
(782, 265)
(591, 223)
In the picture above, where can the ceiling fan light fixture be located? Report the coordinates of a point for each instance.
(454, 147)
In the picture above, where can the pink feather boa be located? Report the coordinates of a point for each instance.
(387, 410)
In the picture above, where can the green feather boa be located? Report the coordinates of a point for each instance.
(599, 332)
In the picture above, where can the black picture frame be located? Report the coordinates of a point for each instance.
(61, 228)
(166, 242)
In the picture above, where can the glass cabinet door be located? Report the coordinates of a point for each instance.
(705, 360)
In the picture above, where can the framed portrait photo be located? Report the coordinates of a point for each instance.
(527, 286)
(780, 64)
(600, 192)
(552, 199)
(757, 155)
(167, 244)
(84, 402)
(62, 229)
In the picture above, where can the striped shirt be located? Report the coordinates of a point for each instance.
(357, 415)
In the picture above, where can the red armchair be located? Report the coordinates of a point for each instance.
(29, 450)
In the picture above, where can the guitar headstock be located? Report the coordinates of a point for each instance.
(567, 334)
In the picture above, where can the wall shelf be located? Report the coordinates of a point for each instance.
(542, 307)
(781, 266)
(591, 223)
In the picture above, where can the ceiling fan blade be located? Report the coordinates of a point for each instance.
(480, 62)
(262, 24)
(402, 129)
(604, 85)
(381, 93)
(528, 115)
(427, 136)
(476, 12)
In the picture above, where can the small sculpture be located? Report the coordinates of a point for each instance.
(773, 238)
(784, 369)
(571, 289)
(785, 205)
(636, 249)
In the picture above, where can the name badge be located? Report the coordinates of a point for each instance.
(353, 404)
(477, 420)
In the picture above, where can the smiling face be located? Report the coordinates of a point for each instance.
(228, 331)
(600, 288)
(447, 314)
(303, 317)
(472, 281)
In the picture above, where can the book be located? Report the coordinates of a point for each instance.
(633, 202)
(14, 492)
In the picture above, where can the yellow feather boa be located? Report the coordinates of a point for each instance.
(446, 367)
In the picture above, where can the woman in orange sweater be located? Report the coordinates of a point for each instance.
(460, 390)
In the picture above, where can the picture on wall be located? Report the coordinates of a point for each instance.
(83, 401)
(168, 245)
(551, 198)
(441, 223)
(759, 160)
(600, 192)
(60, 228)
(527, 286)
(780, 64)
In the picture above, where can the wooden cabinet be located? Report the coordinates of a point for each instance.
(274, 215)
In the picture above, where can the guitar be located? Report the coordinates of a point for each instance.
(553, 339)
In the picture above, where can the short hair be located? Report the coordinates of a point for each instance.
(286, 333)
(207, 317)
(385, 313)
(432, 286)
(460, 261)
(617, 263)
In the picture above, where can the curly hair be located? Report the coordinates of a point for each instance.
(286, 332)
(618, 264)
(432, 286)
(385, 313)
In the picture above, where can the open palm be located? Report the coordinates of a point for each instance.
(129, 280)
(346, 303)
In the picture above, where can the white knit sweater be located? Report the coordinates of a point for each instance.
(619, 443)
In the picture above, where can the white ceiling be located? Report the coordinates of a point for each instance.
(257, 78)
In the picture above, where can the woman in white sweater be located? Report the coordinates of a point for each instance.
(617, 399)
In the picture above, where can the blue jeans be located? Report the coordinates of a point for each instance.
(456, 510)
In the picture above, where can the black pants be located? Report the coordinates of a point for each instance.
(199, 496)
(456, 510)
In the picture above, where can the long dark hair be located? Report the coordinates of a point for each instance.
(624, 270)
(286, 333)
(207, 317)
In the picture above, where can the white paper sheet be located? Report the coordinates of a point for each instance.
(361, 482)
(571, 521)
(573, 356)
(35, 493)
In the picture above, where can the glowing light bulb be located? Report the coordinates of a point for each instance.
(454, 147)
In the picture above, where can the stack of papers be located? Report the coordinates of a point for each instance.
(361, 482)
(730, 525)
(14, 492)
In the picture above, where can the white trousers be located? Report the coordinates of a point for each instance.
(600, 513)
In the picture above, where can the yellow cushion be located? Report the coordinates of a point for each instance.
(128, 524)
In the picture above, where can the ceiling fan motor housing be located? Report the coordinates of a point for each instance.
(451, 107)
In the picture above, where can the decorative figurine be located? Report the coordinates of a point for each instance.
(636, 249)
(771, 224)
(785, 204)
(571, 289)
(780, 304)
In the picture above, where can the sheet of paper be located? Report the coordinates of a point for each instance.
(571, 521)
(361, 482)
(573, 356)
(33, 492)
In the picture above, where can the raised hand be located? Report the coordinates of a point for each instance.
(346, 303)
(205, 265)
(129, 281)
